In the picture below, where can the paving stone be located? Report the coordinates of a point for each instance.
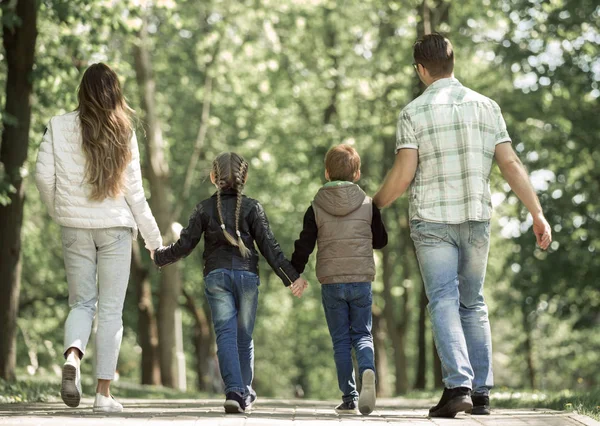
(270, 412)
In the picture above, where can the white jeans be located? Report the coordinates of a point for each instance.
(97, 262)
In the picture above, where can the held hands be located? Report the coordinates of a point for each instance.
(542, 231)
(152, 254)
(298, 287)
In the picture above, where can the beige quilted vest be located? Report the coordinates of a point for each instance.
(345, 241)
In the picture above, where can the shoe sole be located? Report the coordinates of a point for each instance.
(346, 411)
(453, 407)
(367, 397)
(232, 407)
(107, 410)
(479, 411)
(68, 390)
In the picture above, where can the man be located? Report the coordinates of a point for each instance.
(446, 141)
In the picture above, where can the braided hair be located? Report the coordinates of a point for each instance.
(230, 170)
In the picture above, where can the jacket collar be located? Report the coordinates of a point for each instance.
(227, 191)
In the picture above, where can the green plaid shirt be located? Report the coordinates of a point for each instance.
(456, 131)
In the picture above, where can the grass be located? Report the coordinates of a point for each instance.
(27, 389)
(586, 403)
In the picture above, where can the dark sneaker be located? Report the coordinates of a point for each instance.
(366, 400)
(347, 408)
(234, 403)
(453, 401)
(481, 405)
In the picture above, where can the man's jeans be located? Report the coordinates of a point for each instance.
(233, 299)
(453, 260)
(97, 263)
(348, 313)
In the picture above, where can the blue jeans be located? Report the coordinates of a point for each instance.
(348, 313)
(453, 260)
(233, 299)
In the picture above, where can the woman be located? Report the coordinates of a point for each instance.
(88, 174)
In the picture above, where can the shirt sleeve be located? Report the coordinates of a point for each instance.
(501, 132)
(405, 133)
(188, 240)
(305, 244)
(136, 199)
(269, 247)
(45, 173)
(380, 236)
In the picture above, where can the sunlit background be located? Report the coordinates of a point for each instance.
(282, 81)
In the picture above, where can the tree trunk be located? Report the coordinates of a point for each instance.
(438, 381)
(330, 41)
(433, 13)
(528, 346)
(19, 46)
(421, 379)
(161, 204)
(395, 328)
(203, 344)
(381, 361)
(147, 328)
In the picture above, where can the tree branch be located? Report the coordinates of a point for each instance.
(201, 137)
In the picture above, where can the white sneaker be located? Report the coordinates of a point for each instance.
(366, 399)
(70, 390)
(106, 404)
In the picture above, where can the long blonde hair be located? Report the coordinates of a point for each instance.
(106, 130)
(230, 171)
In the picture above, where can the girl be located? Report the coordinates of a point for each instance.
(88, 175)
(231, 223)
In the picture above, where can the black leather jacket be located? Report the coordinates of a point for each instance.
(218, 252)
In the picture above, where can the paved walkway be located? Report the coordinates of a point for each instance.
(269, 412)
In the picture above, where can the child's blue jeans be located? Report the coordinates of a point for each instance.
(348, 313)
(233, 299)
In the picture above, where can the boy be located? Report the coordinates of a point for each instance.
(347, 226)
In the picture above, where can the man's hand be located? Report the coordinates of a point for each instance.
(542, 231)
(298, 287)
(399, 178)
(515, 174)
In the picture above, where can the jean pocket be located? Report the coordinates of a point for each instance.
(215, 277)
(332, 295)
(428, 232)
(118, 233)
(363, 295)
(250, 283)
(479, 233)
(68, 236)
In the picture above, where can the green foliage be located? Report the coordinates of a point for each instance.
(28, 391)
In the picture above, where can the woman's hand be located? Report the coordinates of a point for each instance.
(152, 254)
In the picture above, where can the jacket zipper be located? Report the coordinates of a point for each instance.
(286, 275)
